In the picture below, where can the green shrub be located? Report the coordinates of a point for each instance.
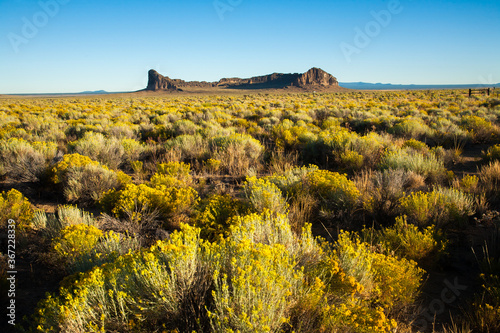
(88, 183)
(410, 128)
(65, 216)
(489, 176)
(449, 134)
(21, 161)
(382, 190)
(185, 127)
(190, 147)
(427, 165)
(238, 153)
(290, 181)
(108, 151)
(439, 207)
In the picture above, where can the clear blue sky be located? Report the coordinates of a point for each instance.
(78, 45)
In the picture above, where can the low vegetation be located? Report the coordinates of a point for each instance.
(253, 213)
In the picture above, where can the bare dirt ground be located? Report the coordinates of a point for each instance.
(470, 159)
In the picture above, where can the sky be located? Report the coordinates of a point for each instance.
(63, 46)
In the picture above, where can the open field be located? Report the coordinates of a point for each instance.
(343, 211)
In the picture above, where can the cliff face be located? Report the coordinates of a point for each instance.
(313, 77)
(156, 81)
(316, 76)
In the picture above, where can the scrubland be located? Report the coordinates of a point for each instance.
(257, 213)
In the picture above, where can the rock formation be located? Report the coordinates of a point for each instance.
(156, 81)
(312, 78)
(316, 76)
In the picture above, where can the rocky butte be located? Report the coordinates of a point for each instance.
(313, 78)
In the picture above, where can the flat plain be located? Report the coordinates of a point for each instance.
(254, 211)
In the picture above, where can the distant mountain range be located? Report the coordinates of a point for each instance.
(389, 86)
(97, 92)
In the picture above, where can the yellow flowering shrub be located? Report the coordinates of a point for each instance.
(415, 145)
(212, 165)
(217, 215)
(338, 191)
(263, 276)
(291, 181)
(139, 198)
(107, 249)
(287, 134)
(139, 291)
(351, 160)
(76, 240)
(253, 290)
(481, 129)
(251, 147)
(407, 241)
(469, 184)
(262, 194)
(47, 148)
(355, 317)
(69, 161)
(492, 154)
(385, 279)
(253, 261)
(410, 128)
(13, 205)
(176, 174)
